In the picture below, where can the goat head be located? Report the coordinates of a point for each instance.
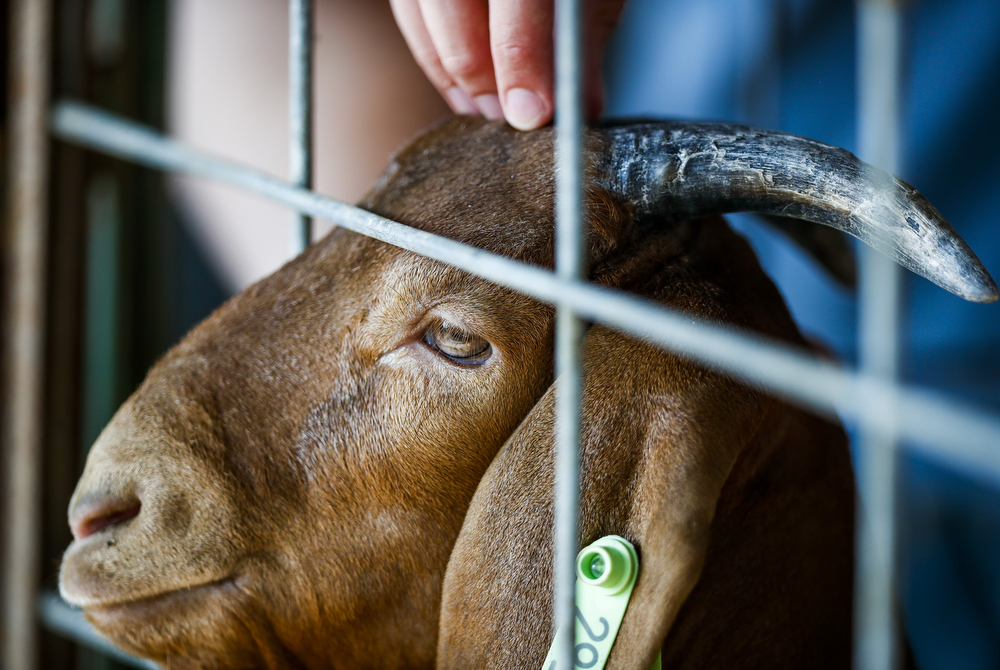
(291, 485)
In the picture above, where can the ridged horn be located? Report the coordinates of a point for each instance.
(676, 170)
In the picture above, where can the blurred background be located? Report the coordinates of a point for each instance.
(136, 259)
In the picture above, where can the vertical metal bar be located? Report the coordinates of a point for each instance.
(570, 256)
(24, 320)
(300, 94)
(875, 621)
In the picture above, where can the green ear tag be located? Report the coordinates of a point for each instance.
(605, 575)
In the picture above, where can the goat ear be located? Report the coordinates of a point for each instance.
(660, 439)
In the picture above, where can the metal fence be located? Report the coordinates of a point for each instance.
(884, 411)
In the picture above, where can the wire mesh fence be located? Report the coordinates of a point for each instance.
(886, 412)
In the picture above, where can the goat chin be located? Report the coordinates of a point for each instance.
(349, 464)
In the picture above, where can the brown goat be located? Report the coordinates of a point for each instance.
(349, 464)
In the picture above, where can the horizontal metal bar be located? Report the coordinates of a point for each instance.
(962, 436)
(60, 618)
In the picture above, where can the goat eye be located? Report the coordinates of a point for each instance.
(456, 344)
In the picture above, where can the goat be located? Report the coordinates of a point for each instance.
(349, 463)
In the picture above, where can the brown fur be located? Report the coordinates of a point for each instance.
(305, 465)
(723, 490)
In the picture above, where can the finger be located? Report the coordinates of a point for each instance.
(521, 42)
(411, 23)
(459, 30)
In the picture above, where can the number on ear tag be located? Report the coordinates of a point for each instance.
(605, 576)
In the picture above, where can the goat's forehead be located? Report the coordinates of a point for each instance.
(479, 183)
(374, 276)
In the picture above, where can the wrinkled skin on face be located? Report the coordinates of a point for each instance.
(286, 487)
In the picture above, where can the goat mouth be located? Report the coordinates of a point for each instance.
(149, 627)
(133, 612)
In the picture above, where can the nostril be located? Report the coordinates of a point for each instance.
(92, 517)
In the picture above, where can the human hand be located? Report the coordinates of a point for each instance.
(495, 57)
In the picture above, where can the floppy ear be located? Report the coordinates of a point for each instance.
(660, 443)
(661, 437)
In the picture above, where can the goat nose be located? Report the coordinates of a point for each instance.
(93, 514)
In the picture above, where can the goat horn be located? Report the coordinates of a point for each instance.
(685, 170)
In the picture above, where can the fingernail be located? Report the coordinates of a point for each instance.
(461, 102)
(489, 105)
(524, 109)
